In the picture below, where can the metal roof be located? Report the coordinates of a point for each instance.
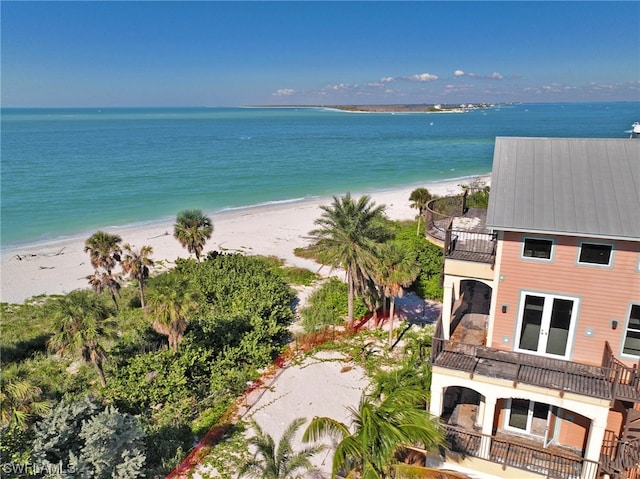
(570, 186)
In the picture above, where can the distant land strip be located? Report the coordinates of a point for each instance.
(397, 108)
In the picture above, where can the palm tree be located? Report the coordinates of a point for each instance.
(137, 264)
(80, 322)
(102, 281)
(347, 236)
(419, 199)
(192, 229)
(397, 268)
(380, 430)
(105, 253)
(104, 250)
(20, 400)
(170, 302)
(269, 462)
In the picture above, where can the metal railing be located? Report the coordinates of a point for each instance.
(470, 242)
(510, 453)
(474, 244)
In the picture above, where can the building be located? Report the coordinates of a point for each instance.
(535, 358)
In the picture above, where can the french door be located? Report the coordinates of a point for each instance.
(532, 418)
(546, 324)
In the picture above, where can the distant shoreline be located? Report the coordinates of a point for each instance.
(394, 108)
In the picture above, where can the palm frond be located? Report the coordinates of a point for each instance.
(324, 426)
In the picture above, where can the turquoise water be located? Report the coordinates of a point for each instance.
(68, 171)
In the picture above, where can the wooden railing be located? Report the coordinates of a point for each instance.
(625, 380)
(620, 458)
(563, 376)
(510, 453)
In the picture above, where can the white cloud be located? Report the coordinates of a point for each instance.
(340, 87)
(495, 76)
(458, 73)
(422, 77)
(285, 92)
(387, 79)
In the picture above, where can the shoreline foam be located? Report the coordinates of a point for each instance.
(60, 266)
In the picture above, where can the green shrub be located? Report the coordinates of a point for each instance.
(89, 440)
(430, 257)
(329, 305)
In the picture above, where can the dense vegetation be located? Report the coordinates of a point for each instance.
(237, 324)
(157, 363)
(372, 445)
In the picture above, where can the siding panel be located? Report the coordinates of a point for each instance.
(604, 293)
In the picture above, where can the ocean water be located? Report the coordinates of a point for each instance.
(69, 171)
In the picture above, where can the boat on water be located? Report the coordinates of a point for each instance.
(634, 132)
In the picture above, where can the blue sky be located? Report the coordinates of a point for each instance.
(267, 53)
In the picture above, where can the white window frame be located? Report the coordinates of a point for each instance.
(548, 298)
(596, 265)
(527, 431)
(626, 332)
(533, 258)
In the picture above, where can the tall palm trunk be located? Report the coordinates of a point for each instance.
(350, 298)
(103, 380)
(391, 318)
(96, 356)
(141, 288)
(115, 301)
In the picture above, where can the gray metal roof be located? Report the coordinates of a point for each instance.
(571, 186)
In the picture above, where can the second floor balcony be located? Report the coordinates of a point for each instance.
(466, 352)
(456, 224)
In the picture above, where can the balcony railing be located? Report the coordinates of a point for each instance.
(460, 229)
(562, 376)
(466, 245)
(510, 453)
(625, 380)
(620, 458)
(612, 380)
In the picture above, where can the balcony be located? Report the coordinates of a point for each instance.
(609, 381)
(453, 223)
(514, 453)
(612, 380)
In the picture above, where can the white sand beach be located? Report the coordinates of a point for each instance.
(61, 266)
(323, 385)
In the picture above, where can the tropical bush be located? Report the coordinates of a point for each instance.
(430, 258)
(242, 307)
(84, 439)
(328, 305)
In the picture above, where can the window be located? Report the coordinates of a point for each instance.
(594, 253)
(537, 248)
(528, 417)
(632, 337)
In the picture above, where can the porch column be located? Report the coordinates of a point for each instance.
(488, 407)
(594, 444)
(447, 302)
(437, 397)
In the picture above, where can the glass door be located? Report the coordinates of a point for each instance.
(546, 324)
(530, 417)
